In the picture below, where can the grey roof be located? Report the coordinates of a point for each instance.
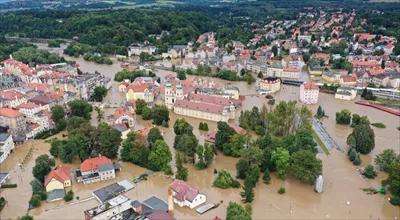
(106, 167)
(106, 193)
(3, 137)
(56, 194)
(156, 203)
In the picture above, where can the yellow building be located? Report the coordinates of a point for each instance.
(58, 179)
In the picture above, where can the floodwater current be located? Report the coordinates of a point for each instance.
(342, 198)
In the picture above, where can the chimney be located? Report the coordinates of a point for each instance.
(170, 202)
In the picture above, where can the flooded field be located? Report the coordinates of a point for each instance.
(342, 197)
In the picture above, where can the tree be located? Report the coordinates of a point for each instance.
(224, 180)
(182, 127)
(186, 144)
(69, 196)
(80, 108)
(237, 212)
(266, 176)
(181, 74)
(305, 166)
(42, 167)
(106, 140)
(76, 145)
(35, 200)
(369, 172)
(320, 113)
(160, 156)
(362, 138)
(343, 117)
(140, 105)
(76, 122)
(357, 119)
(99, 93)
(55, 147)
(160, 114)
(248, 193)
(280, 157)
(281, 119)
(386, 159)
(58, 116)
(235, 145)
(182, 172)
(242, 166)
(135, 150)
(368, 95)
(205, 155)
(252, 154)
(393, 180)
(154, 135)
(223, 135)
(203, 126)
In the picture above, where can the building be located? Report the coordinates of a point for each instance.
(14, 120)
(6, 146)
(121, 207)
(123, 116)
(185, 195)
(309, 93)
(11, 98)
(346, 93)
(268, 85)
(4, 177)
(137, 49)
(96, 169)
(56, 182)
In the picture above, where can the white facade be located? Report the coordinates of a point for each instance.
(225, 116)
(269, 85)
(6, 146)
(198, 200)
(345, 93)
(309, 93)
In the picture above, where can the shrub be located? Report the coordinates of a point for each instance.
(203, 126)
(69, 196)
(11, 185)
(357, 160)
(369, 172)
(379, 125)
(281, 190)
(224, 180)
(35, 200)
(343, 117)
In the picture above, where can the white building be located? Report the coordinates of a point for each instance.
(185, 195)
(6, 146)
(309, 93)
(137, 49)
(346, 93)
(268, 85)
(96, 169)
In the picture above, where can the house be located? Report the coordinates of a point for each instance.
(349, 80)
(309, 93)
(14, 120)
(11, 98)
(346, 93)
(322, 57)
(185, 195)
(137, 49)
(123, 116)
(30, 108)
(6, 146)
(56, 182)
(96, 169)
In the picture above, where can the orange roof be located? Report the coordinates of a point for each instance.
(93, 163)
(37, 86)
(61, 174)
(11, 94)
(28, 105)
(349, 79)
(310, 85)
(376, 71)
(10, 113)
(121, 112)
(138, 87)
(144, 131)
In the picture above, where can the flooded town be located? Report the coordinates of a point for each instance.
(302, 121)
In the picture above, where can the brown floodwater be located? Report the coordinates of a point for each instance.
(342, 197)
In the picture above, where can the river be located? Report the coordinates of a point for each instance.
(342, 197)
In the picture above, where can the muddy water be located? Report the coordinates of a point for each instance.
(342, 197)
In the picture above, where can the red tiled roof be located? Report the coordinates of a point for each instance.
(121, 112)
(61, 174)
(10, 113)
(183, 191)
(200, 106)
(159, 215)
(37, 86)
(349, 79)
(93, 163)
(136, 87)
(11, 94)
(28, 105)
